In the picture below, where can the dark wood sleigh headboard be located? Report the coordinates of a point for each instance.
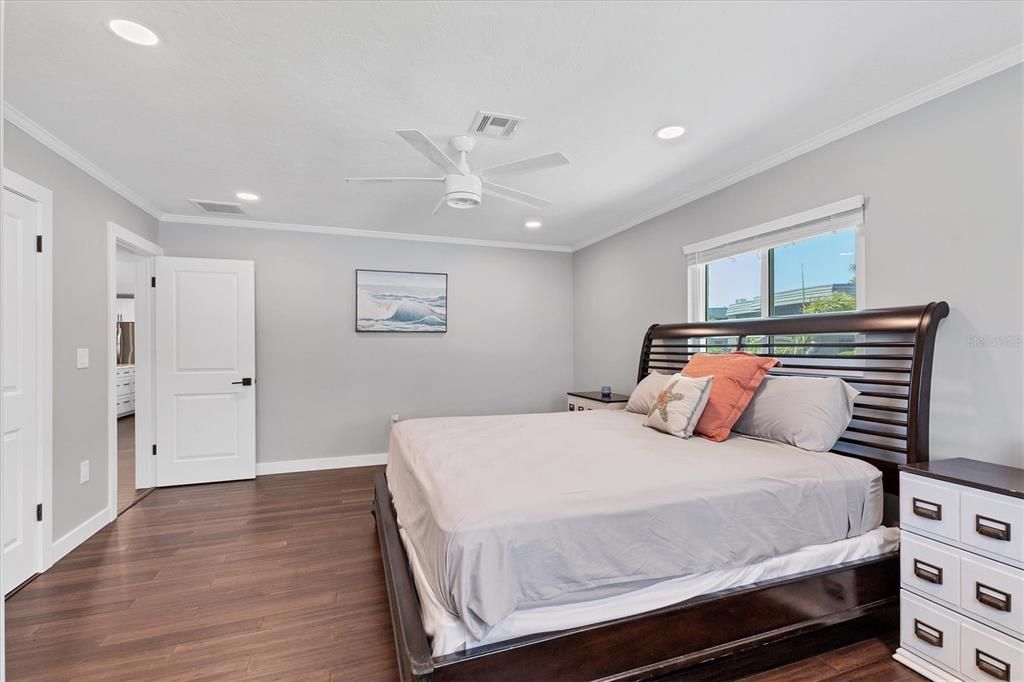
(885, 353)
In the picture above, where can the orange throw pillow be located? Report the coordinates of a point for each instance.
(737, 376)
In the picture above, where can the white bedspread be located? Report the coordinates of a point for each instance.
(515, 512)
(447, 635)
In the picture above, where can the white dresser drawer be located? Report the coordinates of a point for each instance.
(993, 592)
(930, 507)
(930, 630)
(930, 568)
(994, 523)
(988, 655)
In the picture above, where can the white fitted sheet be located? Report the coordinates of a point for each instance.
(448, 634)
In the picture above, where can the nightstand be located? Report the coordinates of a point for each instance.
(962, 570)
(581, 401)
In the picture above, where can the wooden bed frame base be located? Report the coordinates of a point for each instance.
(694, 632)
(887, 355)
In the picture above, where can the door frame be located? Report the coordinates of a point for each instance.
(145, 474)
(43, 198)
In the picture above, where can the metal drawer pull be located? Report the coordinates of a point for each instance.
(928, 510)
(992, 528)
(990, 665)
(927, 572)
(990, 596)
(926, 633)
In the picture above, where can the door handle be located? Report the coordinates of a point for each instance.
(246, 381)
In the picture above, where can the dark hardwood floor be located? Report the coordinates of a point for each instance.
(274, 579)
(126, 492)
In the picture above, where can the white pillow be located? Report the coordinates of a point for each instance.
(808, 412)
(680, 404)
(646, 392)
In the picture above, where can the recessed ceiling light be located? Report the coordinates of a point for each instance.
(670, 132)
(533, 224)
(248, 196)
(133, 33)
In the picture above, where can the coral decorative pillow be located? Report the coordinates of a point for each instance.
(737, 376)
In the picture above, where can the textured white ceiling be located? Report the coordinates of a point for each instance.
(287, 98)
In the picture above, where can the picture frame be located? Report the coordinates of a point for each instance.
(401, 301)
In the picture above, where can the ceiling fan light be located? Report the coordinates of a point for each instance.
(462, 191)
(462, 201)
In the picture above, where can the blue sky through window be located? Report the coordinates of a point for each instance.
(826, 259)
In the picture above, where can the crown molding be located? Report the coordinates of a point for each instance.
(983, 69)
(351, 232)
(54, 143)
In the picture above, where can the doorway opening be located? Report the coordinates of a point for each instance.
(131, 474)
(128, 491)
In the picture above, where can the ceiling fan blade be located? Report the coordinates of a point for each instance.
(527, 165)
(394, 179)
(439, 205)
(515, 195)
(430, 150)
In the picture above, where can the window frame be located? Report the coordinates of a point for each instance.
(697, 274)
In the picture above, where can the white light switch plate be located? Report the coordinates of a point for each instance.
(83, 358)
(84, 474)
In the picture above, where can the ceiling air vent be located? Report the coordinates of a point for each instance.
(501, 126)
(220, 207)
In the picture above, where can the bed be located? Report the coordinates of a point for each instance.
(561, 546)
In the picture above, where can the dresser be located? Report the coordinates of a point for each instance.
(581, 401)
(962, 570)
(124, 389)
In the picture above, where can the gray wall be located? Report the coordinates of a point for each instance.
(944, 222)
(325, 390)
(81, 208)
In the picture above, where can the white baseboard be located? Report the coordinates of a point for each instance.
(919, 665)
(320, 463)
(80, 534)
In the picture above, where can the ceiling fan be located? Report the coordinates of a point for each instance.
(463, 187)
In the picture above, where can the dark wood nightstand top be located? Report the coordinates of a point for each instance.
(596, 395)
(972, 473)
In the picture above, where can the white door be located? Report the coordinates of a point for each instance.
(205, 370)
(19, 378)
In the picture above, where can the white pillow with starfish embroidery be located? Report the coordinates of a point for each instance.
(679, 405)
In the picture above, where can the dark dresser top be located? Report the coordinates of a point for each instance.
(995, 478)
(596, 395)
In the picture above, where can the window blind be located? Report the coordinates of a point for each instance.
(706, 252)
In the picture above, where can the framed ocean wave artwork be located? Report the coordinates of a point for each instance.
(394, 301)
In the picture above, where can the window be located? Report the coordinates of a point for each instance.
(802, 265)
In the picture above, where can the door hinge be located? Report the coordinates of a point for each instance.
(154, 449)
(39, 512)
(152, 282)
(39, 243)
